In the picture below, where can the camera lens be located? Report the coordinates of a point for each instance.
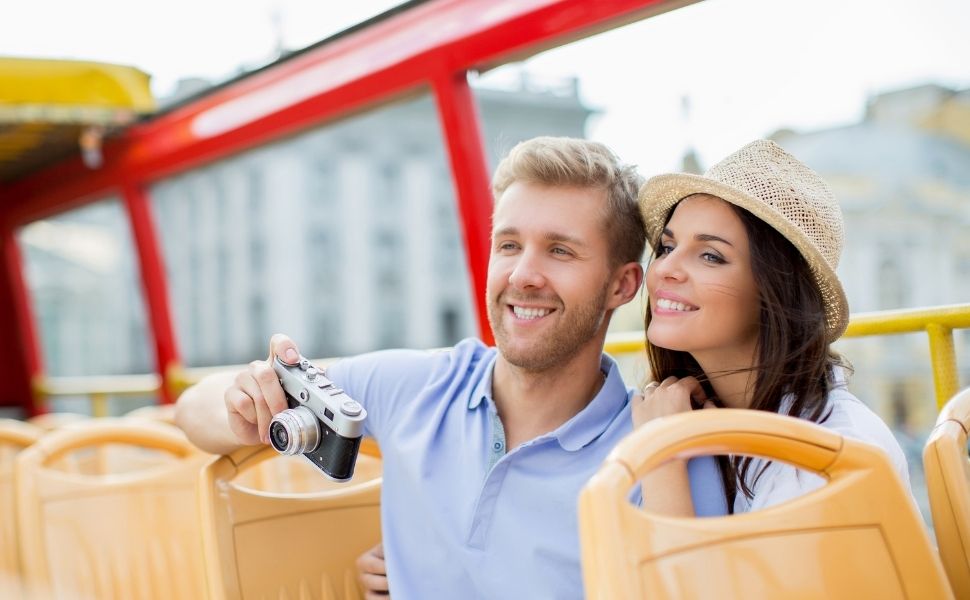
(294, 431)
(278, 436)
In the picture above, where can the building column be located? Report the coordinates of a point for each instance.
(422, 301)
(357, 273)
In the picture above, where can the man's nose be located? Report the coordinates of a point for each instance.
(527, 272)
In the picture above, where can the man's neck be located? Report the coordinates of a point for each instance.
(533, 403)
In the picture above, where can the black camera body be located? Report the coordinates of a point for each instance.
(322, 422)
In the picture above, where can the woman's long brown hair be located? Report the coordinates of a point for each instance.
(793, 354)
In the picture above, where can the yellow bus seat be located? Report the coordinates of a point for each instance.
(157, 412)
(294, 475)
(82, 462)
(132, 534)
(56, 420)
(14, 437)
(858, 536)
(947, 471)
(261, 542)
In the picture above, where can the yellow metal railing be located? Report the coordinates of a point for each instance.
(938, 323)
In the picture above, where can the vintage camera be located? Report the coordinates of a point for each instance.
(323, 423)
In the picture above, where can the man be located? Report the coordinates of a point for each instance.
(485, 451)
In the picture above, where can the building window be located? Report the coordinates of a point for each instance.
(892, 291)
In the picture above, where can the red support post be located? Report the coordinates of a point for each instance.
(20, 359)
(469, 170)
(154, 285)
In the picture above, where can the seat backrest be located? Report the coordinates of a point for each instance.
(261, 542)
(14, 437)
(858, 536)
(158, 412)
(947, 471)
(56, 420)
(111, 535)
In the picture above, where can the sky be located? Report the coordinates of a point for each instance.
(710, 76)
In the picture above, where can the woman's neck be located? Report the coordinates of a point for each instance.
(733, 380)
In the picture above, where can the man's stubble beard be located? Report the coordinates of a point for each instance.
(556, 347)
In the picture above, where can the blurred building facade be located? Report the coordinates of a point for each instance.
(345, 237)
(902, 176)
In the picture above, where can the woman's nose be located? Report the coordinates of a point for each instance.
(669, 266)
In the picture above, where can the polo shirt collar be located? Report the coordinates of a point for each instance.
(578, 432)
(583, 428)
(483, 391)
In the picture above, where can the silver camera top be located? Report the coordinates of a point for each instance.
(330, 404)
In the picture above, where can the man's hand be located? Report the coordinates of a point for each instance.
(372, 573)
(256, 394)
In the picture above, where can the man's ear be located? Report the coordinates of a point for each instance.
(627, 280)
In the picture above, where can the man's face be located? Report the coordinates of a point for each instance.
(548, 274)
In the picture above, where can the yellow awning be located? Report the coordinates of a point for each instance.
(45, 105)
(35, 87)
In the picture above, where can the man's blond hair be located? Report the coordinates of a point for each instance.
(563, 161)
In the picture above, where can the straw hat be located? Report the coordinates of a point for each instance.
(781, 191)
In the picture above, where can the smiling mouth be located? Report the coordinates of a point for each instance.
(665, 304)
(530, 314)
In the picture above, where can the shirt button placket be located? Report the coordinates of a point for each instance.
(486, 505)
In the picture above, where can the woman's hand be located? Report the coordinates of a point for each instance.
(666, 489)
(669, 397)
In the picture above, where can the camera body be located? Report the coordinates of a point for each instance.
(322, 422)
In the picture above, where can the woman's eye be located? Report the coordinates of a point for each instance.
(712, 258)
(664, 249)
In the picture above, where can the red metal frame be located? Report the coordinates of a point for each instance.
(154, 285)
(432, 43)
(20, 360)
(459, 120)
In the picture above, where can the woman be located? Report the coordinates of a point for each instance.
(744, 303)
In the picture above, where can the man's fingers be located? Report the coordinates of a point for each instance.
(372, 561)
(282, 346)
(374, 583)
(240, 402)
(241, 414)
(372, 573)
(270, 389)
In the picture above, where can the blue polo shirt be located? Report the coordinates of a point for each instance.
(463, 516)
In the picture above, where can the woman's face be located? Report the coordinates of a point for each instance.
(703, 297)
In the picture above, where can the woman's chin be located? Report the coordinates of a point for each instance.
(660, 339)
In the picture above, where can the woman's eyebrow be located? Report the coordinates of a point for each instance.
(700, 237)
(706, 237)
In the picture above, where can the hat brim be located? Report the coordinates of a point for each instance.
(660, 193)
